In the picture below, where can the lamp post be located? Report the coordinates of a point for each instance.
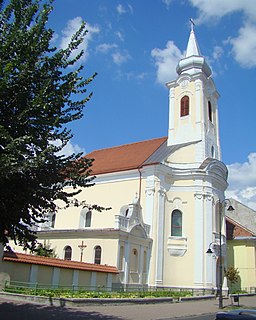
(222, 205)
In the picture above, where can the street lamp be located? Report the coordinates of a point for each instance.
(223, 204)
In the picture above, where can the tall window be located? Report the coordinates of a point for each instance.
(97, 255)
(67, 253)
(176, 221)
(210, 110)
(85, 218)
(184, 106)
(88, 219)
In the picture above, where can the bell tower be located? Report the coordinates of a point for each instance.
(193, 108)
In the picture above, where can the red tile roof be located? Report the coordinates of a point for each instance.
(125, 157)
(234, 229)
(59, 263)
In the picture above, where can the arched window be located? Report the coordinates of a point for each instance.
(53, 218)
(88, 219)
(210, 111)
(85, 218)
(176, 224)
(184, 106)
(67, 253)
(97, 255)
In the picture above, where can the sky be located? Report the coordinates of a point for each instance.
(135, 45)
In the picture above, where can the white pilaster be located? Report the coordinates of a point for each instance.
(208, 239)
(160, 238)
(141, 264)
(199, 240)
(171, 115)
(126, 262)
(218, 135)
(150, 192)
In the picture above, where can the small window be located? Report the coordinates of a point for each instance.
(210, 110)
(97, 255)
(67, 253)
(184, 106)
(176, 223)
(88, 219)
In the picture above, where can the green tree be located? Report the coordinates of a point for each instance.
(39, 96)
(44, 250)
(232, 275)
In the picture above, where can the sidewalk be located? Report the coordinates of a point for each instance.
(10, 309)
(169, 310)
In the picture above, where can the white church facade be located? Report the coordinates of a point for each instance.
(163, 195)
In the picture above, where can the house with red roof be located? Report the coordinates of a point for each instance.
(163, 194)
(241, 245)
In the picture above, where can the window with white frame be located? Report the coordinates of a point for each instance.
(176, 223)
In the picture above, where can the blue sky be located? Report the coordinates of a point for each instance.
(135, 45)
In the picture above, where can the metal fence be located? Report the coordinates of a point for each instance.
(46, 289)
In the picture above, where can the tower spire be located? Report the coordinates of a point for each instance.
(192, 47)
(193, 62)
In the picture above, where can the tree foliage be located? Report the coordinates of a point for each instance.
(232, 274)
(44, 250)
(39, 96)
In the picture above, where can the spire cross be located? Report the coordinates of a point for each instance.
(192, 24)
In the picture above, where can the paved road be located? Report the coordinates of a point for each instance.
(203, 310)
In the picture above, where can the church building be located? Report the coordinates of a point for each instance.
(163, 193)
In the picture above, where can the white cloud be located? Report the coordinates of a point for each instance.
(242, 181)
(167, 3)
(120, 57)
(120, 35)
(219, 8)
(130, 8)
(244, 46)
(217, 52)
(120, 9)
(72, 26)
(69, 149)
(106, 47)
(166, 61)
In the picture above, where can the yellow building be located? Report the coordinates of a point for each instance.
(162, 193)
(241, 245)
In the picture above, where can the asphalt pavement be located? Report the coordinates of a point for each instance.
(16, 310)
